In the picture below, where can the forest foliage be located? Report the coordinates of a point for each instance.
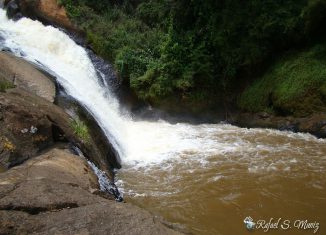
(201, 52)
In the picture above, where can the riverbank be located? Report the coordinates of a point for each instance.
(314, 124)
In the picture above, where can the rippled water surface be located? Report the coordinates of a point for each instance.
(258, 173)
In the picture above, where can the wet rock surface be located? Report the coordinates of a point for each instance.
(12, 9)
(56, 193)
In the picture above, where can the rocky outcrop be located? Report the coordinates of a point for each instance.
(25, 76)
(314, 124)
(30, 123)
(13, 9)
(56, 193)
(47, 11)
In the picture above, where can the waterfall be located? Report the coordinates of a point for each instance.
(74, 71)
(138, 143)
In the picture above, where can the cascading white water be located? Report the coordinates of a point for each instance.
(71, 64)
(137, 143)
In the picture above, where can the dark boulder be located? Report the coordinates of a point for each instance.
(48, 12)
(17, 16)
(12, 9)
(315, 124)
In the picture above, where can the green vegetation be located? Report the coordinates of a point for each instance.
(81, 130)
(294, 85)
(200, 54)
(4, 85)
(7, 145)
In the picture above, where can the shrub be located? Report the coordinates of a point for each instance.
(185, 48)
(292, 80)
(81, 130)
(4, 85)
(8, 145)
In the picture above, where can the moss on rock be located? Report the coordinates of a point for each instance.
(5, 85)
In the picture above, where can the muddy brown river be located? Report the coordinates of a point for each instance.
(234, 173)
